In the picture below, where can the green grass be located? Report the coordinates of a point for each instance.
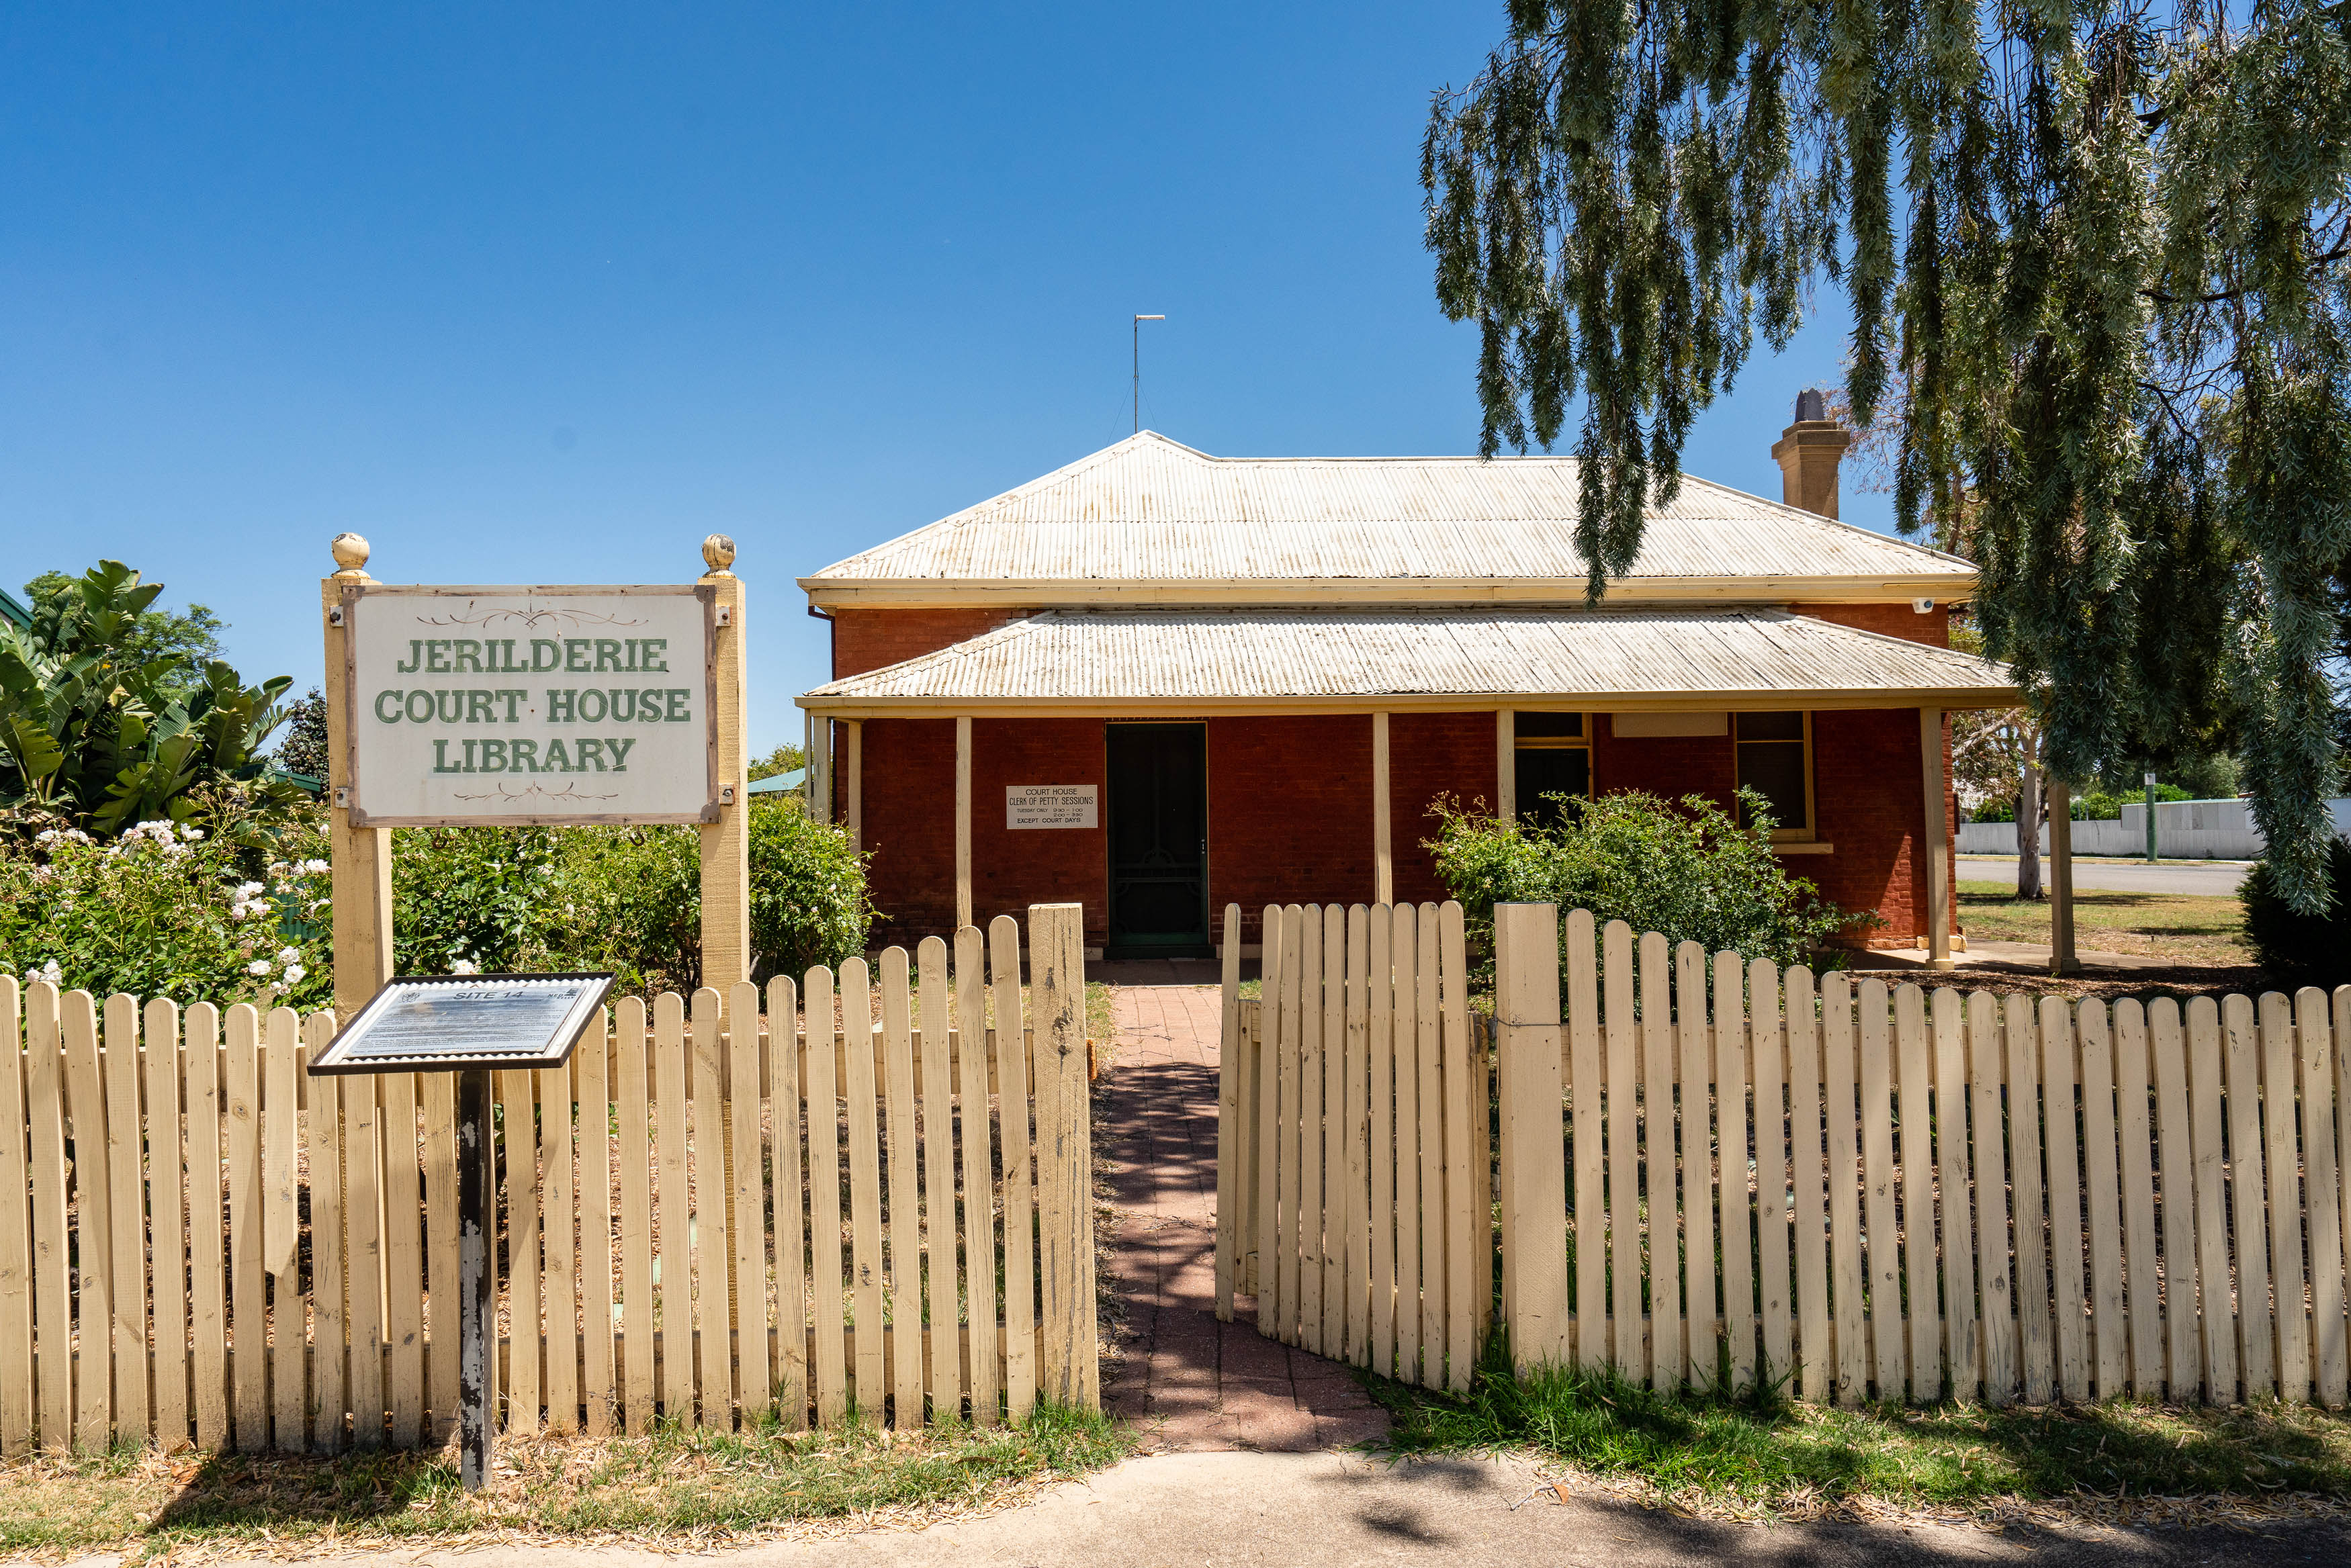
(1762, 1452)
(665, 1486)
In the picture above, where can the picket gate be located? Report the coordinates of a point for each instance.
(1353, 1200)
(201, 1244)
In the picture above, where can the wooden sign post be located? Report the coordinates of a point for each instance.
(533, 707)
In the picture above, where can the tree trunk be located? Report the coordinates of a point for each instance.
(2028, 831)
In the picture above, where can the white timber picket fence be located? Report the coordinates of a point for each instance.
(717, 1211)
(1709, 1170)
(1354, 1162)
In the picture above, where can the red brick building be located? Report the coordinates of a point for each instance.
(1157, 681)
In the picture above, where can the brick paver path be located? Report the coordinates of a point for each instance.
(1184, 1379)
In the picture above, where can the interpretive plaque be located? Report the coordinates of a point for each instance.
(457, 1023)
(472, 1025)
(1051, 806)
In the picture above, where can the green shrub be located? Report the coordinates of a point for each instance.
(169, 911)
(808, 902)
(2297, 948)
(1688, 870)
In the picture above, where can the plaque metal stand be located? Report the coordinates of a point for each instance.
(472, 1025)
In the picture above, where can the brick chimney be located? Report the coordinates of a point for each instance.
(1808, 452)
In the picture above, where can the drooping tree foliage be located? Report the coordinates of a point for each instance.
(2097, 255)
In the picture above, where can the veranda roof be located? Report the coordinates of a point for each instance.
(1264, 659)
(1151, 520)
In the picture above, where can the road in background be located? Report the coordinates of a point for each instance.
(2212, 878)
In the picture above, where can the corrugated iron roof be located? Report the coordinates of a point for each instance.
(1151, 509)
(1227, 658)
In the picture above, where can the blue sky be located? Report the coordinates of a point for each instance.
(545, 294)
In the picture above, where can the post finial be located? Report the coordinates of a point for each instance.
(350, 555)
(718, 551)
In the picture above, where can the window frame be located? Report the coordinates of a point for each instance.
(1783, 833)
(1582, 742)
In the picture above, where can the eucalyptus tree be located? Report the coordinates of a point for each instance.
(2096, 256)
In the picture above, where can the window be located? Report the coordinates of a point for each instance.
(1553, 758)
(1775, 760)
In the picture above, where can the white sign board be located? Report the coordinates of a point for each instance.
(1050, 805)
(520, 706)
(462, 1022)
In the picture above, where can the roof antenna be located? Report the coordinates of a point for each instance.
(1138, 369)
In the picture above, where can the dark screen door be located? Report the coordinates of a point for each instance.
(1158, 778)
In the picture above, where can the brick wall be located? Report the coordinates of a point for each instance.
(1670, 766)
(1888, 621)
(909, 822)
(865, 639)
(1432, 754)
(1289, 813)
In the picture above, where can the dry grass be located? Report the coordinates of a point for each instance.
(2187, 928)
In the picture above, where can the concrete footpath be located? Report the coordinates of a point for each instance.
(1307, 1510)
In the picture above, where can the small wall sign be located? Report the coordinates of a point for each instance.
(525, 705)
(1051, 806)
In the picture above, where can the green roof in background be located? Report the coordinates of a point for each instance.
(16, 611)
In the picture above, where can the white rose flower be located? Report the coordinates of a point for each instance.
(46, 836)
(192, 834)
(289, 955)
(50, 971)
(316, 867)
(294, 973)
(258, 966)
(464, 965)
(246, 890)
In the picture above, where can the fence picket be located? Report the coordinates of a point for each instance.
(1588, 1193)
(1468, 1251)
(125, 1195)
(166, 1198)
(1700, 1308)
(1987, 1138)
(93, 1275)
(2256, 1345)
(635, 1142)
(438, 1101)
(1265, 1231)
(1378, 1139)
(2183, 1321)
(672, 1209)
(249, 1333)
(599, 1369)
(2342, 1033)
(403, 1255)
(1844, 1177)
(1288, 1265)
(1310, 1164)
(1533, 1187)
(2315, 1064)
(1773, 1214)
(1731, 1123)
(52, 1247)
(2287, 1272)
(977, 1208)
(2064, 1197)
(2036, 1351)
(1338, 1198)
(16, 1387)
(1014, 1093)
(1439, 1307)
(363, 1256)
(281, 1078)
(945, 1330)
(322, 1131)
(2135, 1133)
(1960, 1322)
(1410, 1144)
(207, 1233)
(826, 1290)
(903, 1196)
(1231, 1067)
(1815, 1354)
(713, 1297)
(862, 1090)
(747, 1198)
(1643, 1121)
(2215, 1281)
(1925, 1345)
(558, 1284)
(1882, 1258)
(2102, 1179)
(790, 1190)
